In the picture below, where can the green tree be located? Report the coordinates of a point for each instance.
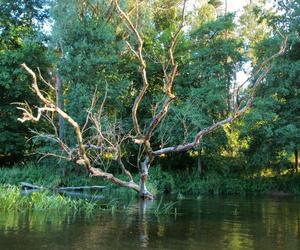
(20, 41)
(85, 36)
(254, 26)
(148, 64)
(205, 82)
(274, 123)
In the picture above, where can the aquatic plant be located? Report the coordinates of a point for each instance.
(165, 207)
(12, 199)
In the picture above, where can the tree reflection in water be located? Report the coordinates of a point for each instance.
(209, 223)
(144, 205)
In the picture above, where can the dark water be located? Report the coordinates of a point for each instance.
(208, 223)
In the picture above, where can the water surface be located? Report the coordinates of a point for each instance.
(206, 223)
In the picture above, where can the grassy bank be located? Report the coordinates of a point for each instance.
(187, 183)
(12, 199)
(190, 183)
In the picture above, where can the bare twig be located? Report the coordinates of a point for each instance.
(142, 62)
(84, 160)
(44, 81)
(235, 115)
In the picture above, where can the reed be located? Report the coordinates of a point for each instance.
(12, 199)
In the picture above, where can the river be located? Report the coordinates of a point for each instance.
(205, 223)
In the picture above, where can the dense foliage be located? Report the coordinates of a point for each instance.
(85, 44)
(21, 40)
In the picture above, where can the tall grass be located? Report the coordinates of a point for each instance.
(11, 199)
(164, 208)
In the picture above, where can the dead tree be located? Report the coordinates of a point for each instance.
(108, 140)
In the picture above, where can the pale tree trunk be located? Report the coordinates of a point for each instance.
(169, 67)
(60, 104)
(144, 166)
(143, 222)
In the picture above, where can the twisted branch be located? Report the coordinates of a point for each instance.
(84, 160)
(237, 113)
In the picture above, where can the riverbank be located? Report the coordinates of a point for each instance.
(182, 183)
(11, 198)
(189, 183)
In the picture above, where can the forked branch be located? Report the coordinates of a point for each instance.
(84, 160)
(262, 72)
(169, 78)
(139, 55)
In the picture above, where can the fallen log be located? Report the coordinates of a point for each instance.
(29, 186)
(25, 185)
(81, 195)
(81, 188)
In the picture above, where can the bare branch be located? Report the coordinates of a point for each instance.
(36, 88)
(264, 63)
(169, 81)
(44, 81)
(236, 114)
(53, 155)
(121, 164)
(28, 116)
(93, 103)
(131, 49)
(142, 63)
(84, 160)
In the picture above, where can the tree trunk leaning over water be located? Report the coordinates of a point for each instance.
(110, 141)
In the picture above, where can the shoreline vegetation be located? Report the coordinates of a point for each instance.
(181, 184)
(155, 96)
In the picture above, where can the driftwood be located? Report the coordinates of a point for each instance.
(81, 195)
(25, 185)
(81, 188)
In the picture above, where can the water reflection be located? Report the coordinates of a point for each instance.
(143, 224)
(211, 223)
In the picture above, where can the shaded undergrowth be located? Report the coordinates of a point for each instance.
(190, 183)
(46, 176)
(181, 183)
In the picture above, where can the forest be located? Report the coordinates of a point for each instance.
(154, 96)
